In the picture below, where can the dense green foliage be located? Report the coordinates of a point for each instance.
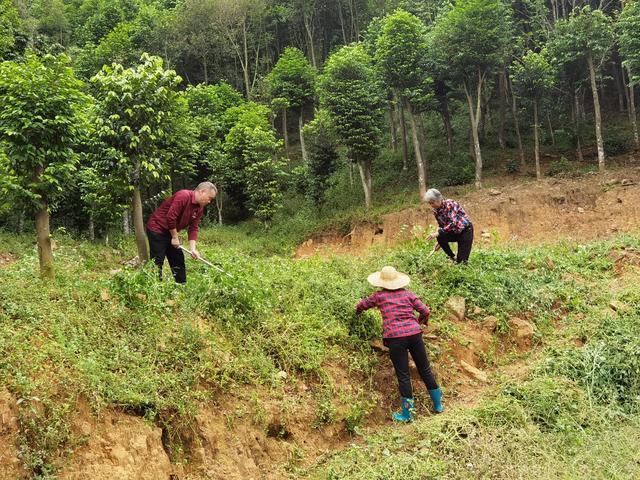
(444, 81)
(629, 38)
(125, 340)
(351, 93)
(177, 92)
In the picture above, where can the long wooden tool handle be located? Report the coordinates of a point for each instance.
(206, 262)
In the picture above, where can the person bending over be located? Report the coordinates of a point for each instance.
(454, 226)
(402, 334)
(184, 209)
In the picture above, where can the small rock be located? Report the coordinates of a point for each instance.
(456, 306)
(619, 200)
(141, 296)
(104, 295)
(378, 346)
(495, 192)
(618, 306)
(478, 310)
(170, 303)
(485, 234)
(550, 264)
(431, 336)
(626, 182)
(522, 330)
(580, 210)
(512, 200)
(282, 375)
(490, 323)
(134, 262)
(474, 372)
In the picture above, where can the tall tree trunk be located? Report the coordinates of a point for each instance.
(350, 173)
(632, 114)
(596, 111)
(138, 225)
(551, 133)
(475, 118)
(354, 20)
(536, 138)
(20, 226)
(516, 123)
(206, 71)
(575, 113)
(126, 226)
(365, 176)
(341, 18)
(219, 206)
(403, 134)
(446, 117)
(305, 159)
(307, 26)
(43, 238)
(92, 228)
(620, 86)
(245, 64)
(502, 107)
(285, 132)
(393, 128)
(422, 180)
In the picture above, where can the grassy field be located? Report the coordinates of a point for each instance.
(116, 337)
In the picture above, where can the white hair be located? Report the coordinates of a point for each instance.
(207, 186)
(432, 195)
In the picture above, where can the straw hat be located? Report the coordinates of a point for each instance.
(389, 278)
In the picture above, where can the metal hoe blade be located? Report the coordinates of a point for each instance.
(208, 263)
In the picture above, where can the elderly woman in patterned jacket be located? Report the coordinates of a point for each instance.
(454, 226)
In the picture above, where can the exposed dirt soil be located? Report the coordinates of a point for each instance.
(257, 432)
(6, 259)
(581, 209)
(10, 466)
(116, 445)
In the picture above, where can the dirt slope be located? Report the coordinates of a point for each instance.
(581, 209)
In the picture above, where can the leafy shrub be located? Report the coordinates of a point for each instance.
(553, 404)
(457, 170)
(512, 165)
(607, 367)
(561, 166)
(617, 143)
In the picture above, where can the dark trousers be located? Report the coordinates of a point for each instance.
(159, 248)
(399, 348)
(464, 240)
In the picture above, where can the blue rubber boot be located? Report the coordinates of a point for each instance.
(406, 415)
(436, 397)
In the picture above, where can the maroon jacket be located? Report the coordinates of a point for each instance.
(177, 211)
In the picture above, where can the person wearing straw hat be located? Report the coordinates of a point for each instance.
(402, 334)
(454, 226)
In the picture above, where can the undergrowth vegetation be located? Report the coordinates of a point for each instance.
(118, 338)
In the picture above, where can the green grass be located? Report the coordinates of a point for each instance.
(120, 339)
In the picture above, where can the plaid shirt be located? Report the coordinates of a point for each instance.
(396, 307)
(451, 217)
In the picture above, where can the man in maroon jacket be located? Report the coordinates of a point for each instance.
(184, 209)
